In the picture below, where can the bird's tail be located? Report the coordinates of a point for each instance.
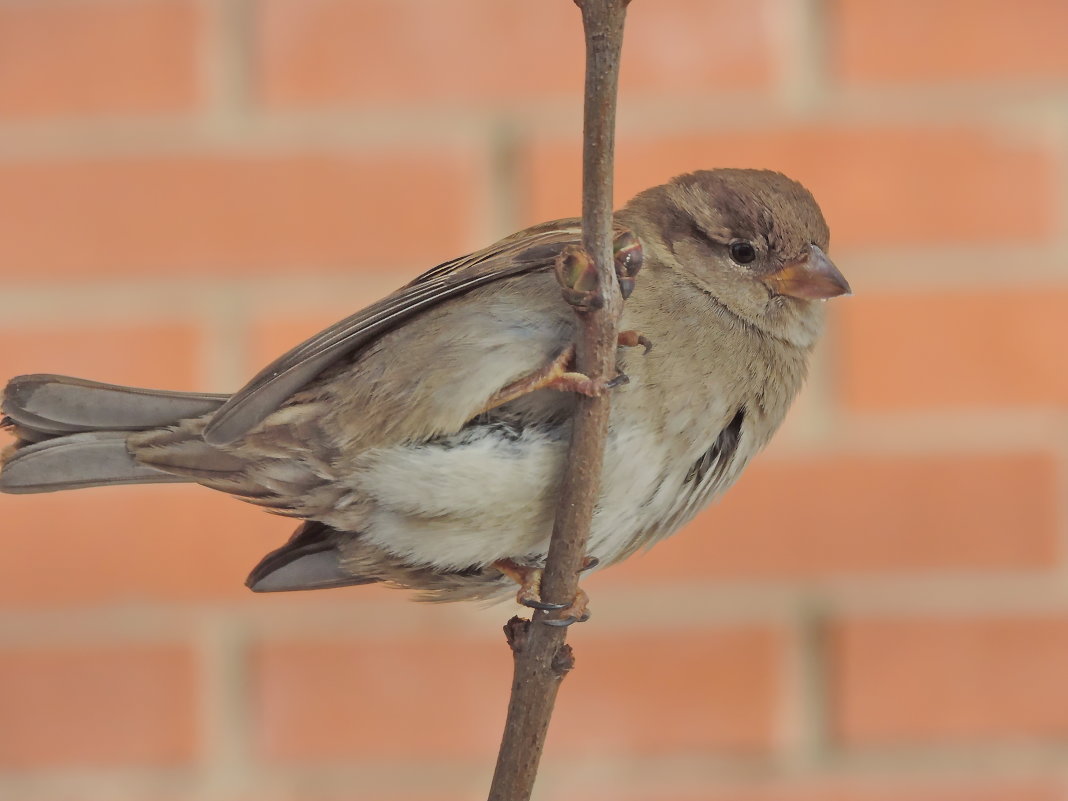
(71, 433)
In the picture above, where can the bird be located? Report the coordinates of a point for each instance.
(422, 440)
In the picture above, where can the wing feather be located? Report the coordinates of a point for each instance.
(528, 251)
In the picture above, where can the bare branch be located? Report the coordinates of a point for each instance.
(542, 658)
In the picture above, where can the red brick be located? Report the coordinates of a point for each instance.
(150, 355)
(269, 339)
(248, 214)
(320, 52)
(952, 350)
(868, 514)
(351, 788)
(563, 788)
(889, 788)
(901, 681)
(904, 790)
(921, 42)
(98, 705)
(70, 58)
(277, 329)
(701, 46)
(311, 52)
(874, 184)
(376, 698)
(670, 692)
(130, 544)
(412, 698)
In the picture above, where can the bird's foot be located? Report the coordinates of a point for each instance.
(578, 278)
(529, 594)
(555, 375)
(627, 255)
(578, 611)
(632, 339)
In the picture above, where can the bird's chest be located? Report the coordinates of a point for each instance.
(688, 389)
(682, 432)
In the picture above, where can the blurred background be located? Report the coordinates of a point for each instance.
(877, 612)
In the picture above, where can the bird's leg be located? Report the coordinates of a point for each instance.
(529, 594)
(555, 375)
(529, 581)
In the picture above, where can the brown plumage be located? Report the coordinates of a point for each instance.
(376, 432)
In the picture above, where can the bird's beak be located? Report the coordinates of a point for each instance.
(811, 278)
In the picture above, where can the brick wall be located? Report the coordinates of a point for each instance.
(879, 611)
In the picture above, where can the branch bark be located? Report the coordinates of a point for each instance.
(542, 658)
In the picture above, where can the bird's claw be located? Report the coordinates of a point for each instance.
(584, 385)
(627, 257)
(578, 611)
(537, 603)
(578, 277)
(529, 595)
(564, 622)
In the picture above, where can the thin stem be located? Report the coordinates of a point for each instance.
(542, 658)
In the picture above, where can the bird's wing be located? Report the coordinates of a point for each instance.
(529, 250)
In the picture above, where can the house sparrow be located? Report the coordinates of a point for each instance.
(422, 440)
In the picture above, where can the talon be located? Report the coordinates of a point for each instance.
(544, 606)
(529, 594)
(631, 339)
(564, 622)
(628, 259)
(578, 611)
(618, 381)
(589, 563)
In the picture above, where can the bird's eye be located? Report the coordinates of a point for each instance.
(742, 252)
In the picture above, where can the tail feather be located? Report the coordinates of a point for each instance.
(88, 459)
(56, 404)
(72, 433)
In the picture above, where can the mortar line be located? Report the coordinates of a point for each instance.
(797, 30)
(272, 130)
(226, 64)
(806, 730)
(224, 713)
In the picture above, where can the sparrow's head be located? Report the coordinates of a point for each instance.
(754, 240)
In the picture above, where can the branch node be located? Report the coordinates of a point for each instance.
(516, 632)
(563, 661)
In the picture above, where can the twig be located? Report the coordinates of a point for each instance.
(542, 658)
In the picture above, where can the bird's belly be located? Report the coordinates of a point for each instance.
(487, 494)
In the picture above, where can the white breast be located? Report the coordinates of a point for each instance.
(486, 495)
